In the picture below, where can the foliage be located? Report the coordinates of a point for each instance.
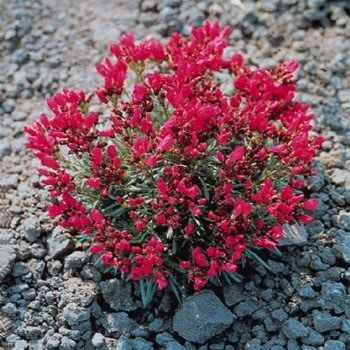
(185, 181)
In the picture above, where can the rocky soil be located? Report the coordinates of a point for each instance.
(51, 298)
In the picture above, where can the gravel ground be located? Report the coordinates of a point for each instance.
(50, 298)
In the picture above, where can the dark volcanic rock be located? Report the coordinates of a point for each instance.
(202, 316)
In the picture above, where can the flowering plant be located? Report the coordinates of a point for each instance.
(186, 179)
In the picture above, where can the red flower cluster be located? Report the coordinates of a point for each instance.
(184, 178)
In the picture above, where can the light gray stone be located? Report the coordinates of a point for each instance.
(245, 308)
(98, 340)
(20, 268)
(174, 345)
(157, 325)
(124, 344)
(142, 344)
(343, 221)
(119, 322)
(307, 292)
(294, 329)
(313, 338)
(9, 181)
(21, 345)
(317, 182)
(31, 231)
(5, 148)
(333, 291)
(346, 326)
(74, 260)
(164, 338)
(117, 295)
(254, 344)
(293, 235)
(279, 315)
(110, 343)
(7, 256)
(58, 244)
(5, 219)
(68, 344)
(32, 332)
(343, 245)
(324, 322)
(54, 267)
(54, 341)
(172, 3)
(334, 345)
(344, 95)
(341, 177)
(233, 294)
(76, 290)
(202, 316)
(75, 314)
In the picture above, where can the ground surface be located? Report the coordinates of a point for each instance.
(50, 299)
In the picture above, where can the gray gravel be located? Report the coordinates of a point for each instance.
(51, 298)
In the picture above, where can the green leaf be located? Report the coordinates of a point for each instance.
(134, 189)
(277, 252)
(98, 262)
(176, 288)
(110, 207)
(170, 233)
(140, 238)
(175, 266)
(83, 238)
(175, 291)
(216, 281)
(86, 256)
(228, 280)
(174, 246)
(147, 289)
(205, 188)
(196, 221)
(233, 277)
(143, 292)
(249, 253)
(117, 213)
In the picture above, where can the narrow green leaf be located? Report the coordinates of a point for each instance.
(170, 233)
(117, 213)
(98, 262)
(216, 281)
(257, 259)
(228, 280)
(151, 290)
(277, 252)
(196, 220)
(143, 293)
(205, 188)
(176, 288)
(148, 290)
(110, 207)
(175, 266)
(235, 277)
(86, 256)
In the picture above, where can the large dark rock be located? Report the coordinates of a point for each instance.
(117, 295)
(58, 244)
(293, 235)
(201, 317)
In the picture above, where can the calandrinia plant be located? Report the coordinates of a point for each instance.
(185, 180)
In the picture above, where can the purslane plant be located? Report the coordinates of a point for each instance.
(186, 179)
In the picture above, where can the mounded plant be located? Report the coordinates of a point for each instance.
(188, 177)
